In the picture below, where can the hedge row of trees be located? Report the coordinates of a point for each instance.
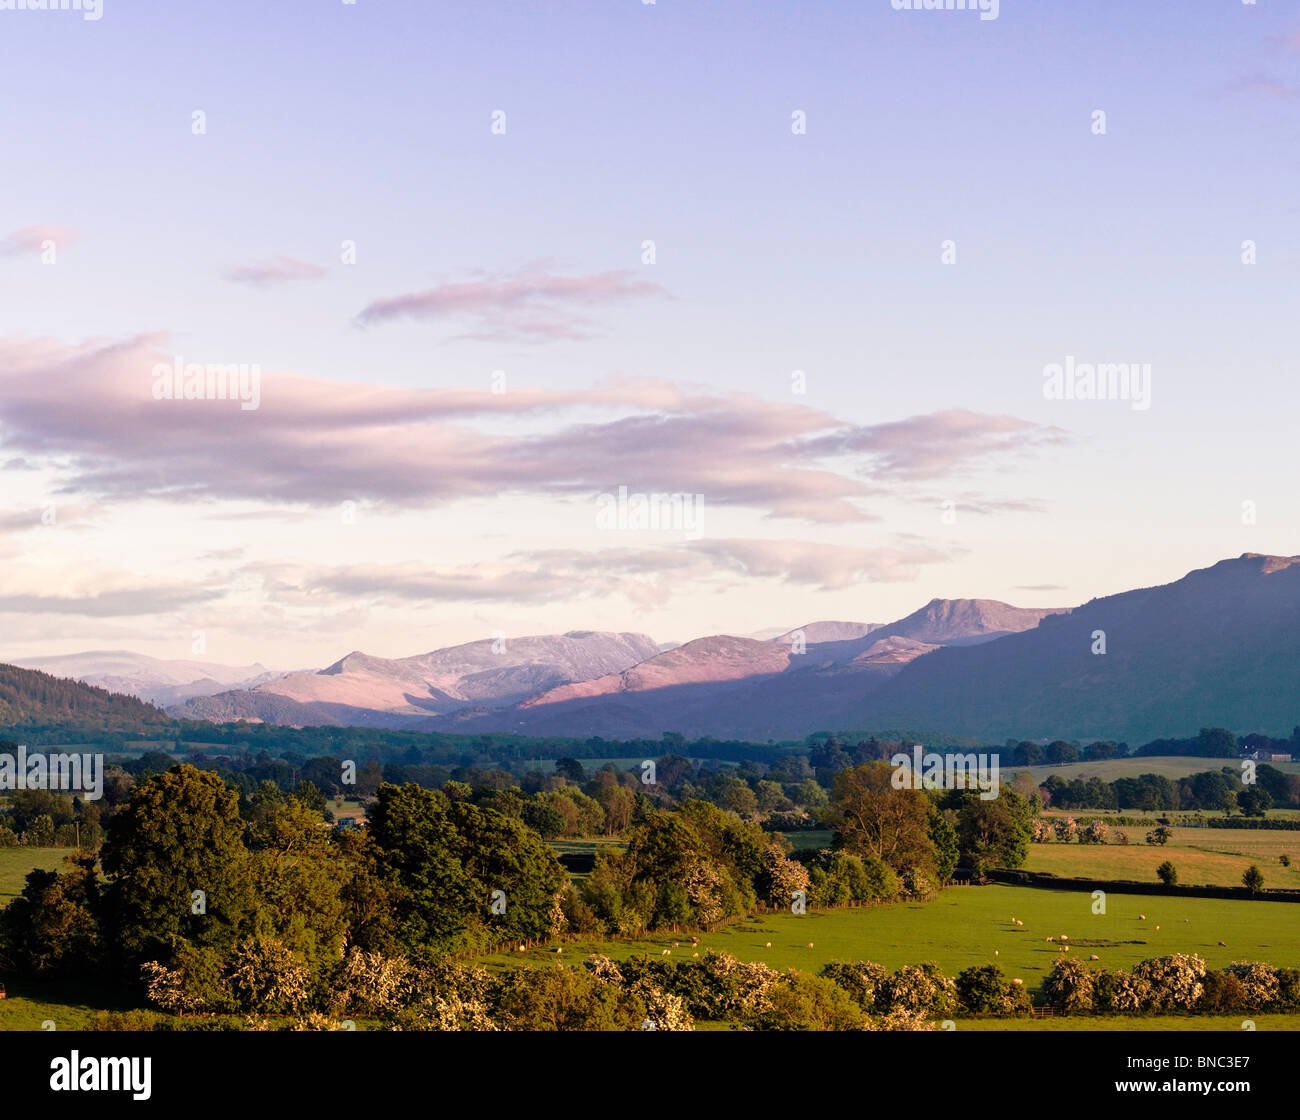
(1209, 791)
(1178, 983)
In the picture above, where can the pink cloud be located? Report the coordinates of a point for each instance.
(30, 239)
(534, 303)
(89, 411)
(282, 270)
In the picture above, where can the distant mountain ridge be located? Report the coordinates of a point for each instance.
(1218, 647)
(31, 697)
(155, 680)
(373, 691)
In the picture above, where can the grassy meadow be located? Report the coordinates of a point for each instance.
(16, 862)
(966, 926)
(1213, 856)
(1169, 766)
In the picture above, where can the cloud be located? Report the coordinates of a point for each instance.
(89, 412)
(938, 443)
(31, 238)
(1270, 86)
(281, 271)
(109, 604)
(1039, 587)
(642, 575)
(533, 304)
(812, 563)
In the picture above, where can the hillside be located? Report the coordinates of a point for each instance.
(1219, 647)
(30, 697)
(368, 691)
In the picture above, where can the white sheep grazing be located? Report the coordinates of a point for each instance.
(695, 954)
(1094, 957)
(1142, 917)
(810, 944)
(768, 945)
(674, 944)
(666, 953)
(1065, 937)
(1157, 927)
(995, 952)
(1020, 923)
(521, 949)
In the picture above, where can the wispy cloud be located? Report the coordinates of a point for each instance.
(534, 304)
(30, 239)
(281, 271)
(109, 604)
(89, 413)
(1272, 87)
(641, 575)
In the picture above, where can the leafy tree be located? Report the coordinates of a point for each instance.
(1060, 752)
(1253, 879)
(52, 928)
(872, 818)
(1167, 873)
(571, 769)
(946, 845)
(992, 833)
(180, 832)
(1027, 753)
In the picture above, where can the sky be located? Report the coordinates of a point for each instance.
(490, 263)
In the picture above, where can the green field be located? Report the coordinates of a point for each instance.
(1169, 766)
(16, 862)
(1217, 856)
(1129, 1023)
(966, 926)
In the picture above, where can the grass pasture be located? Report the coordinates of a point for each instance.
(1168, 766)
(1201, 856)
(16, 862)
(966, 926)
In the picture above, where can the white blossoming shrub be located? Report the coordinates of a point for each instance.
(1066, 829)
(1132, 994)
(1176, 982)
(920, 988)
(1259, 986)
(373, 984)
(1069, 986)
(904, 1019)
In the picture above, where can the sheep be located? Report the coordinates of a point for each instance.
(674, 944)
(1050, 939)
(768, 945)
(995, 952)
(1157, 927)
(521, 949)
(1065, 937)
(1223, 943)
(666, 953)
(1094, 957)
(1142, 917)
(810, 944)
(695, 954)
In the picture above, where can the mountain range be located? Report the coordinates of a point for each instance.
(1219, 647)
(158, 681)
